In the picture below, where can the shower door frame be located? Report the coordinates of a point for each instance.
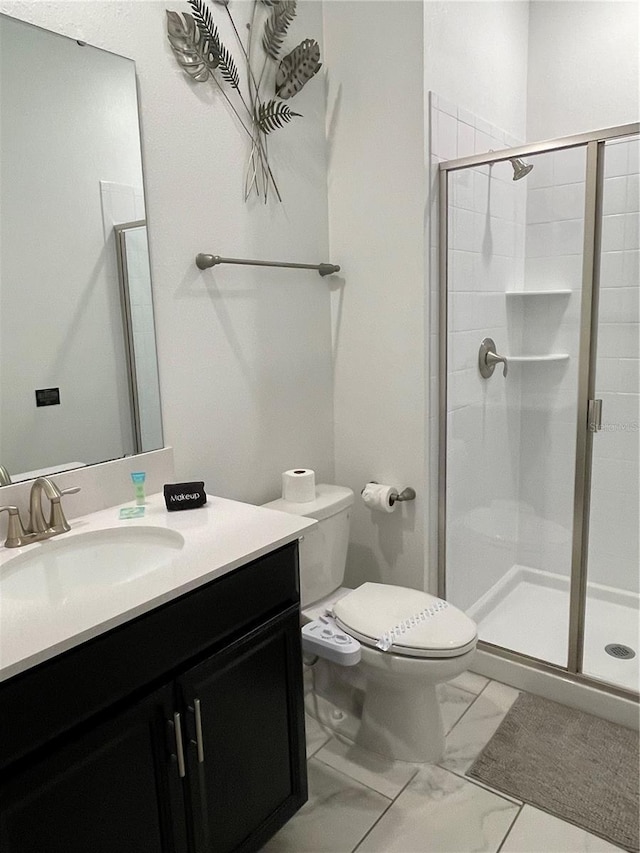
(594, 143)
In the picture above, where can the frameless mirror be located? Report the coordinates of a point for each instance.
(78, 367)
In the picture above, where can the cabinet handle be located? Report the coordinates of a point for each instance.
(199, 740)
(177, 724)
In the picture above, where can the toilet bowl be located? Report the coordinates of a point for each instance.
(410, 641)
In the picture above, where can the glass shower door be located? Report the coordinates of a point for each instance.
(514, 278)
(612, 624)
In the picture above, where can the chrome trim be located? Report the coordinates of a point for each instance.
(177, 728)
(199, 739)
(16, 533)
(443, 257)
(204, 262)
(586, 384)
(555, 669)
(406, 494)
(541, 147)
(38, 529)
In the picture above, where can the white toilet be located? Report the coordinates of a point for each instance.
(427, 640)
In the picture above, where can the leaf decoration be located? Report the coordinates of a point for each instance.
(192, 51)
(209, 32)
(297, 68)
(276, 26)
(274, 114)
(228, 68)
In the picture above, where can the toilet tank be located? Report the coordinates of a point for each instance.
(323, 549)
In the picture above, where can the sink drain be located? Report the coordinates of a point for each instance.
(620, 651)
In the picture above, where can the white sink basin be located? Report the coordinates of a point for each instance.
(57, 570)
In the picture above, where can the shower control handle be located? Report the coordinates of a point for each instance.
(488, 358)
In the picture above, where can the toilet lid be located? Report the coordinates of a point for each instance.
(405, 621)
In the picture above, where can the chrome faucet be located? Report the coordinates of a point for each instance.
(38, 528)
(5, 476)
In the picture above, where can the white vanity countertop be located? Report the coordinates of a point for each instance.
(219, 537)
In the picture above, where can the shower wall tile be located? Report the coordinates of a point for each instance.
(612, 269)
(568, 201)
(466, 140)
(628, 374)
(556, 238)
(633, 193)
(620, 304)
(617, 160)
(613, 231)
(616, 474)
(540, 205)
(615, 199)
(446, 142)
(631, 267)
(568, 236)
(632, 232)
(569, 166)
(618, 340)
(542, 175)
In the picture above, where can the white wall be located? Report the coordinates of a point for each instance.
(475, 55)
(244, 354)
(377, 195)
(584, 66)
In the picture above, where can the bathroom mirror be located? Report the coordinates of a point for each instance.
(78, 367)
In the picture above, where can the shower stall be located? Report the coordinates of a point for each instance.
(539, 403)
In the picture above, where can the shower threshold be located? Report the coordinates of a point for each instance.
(527, 611)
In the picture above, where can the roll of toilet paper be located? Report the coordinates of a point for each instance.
(379, 496)
(299, 485)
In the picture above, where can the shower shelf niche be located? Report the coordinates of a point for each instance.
(533, 359)
(538, 292)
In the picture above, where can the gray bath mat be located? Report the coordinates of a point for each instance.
(578, 767)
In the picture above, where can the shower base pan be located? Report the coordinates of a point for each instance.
(527, 611)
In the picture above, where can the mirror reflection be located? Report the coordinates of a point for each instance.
(78, 367)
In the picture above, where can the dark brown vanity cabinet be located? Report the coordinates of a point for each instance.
(179, 732)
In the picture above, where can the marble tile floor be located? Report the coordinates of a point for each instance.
(363, 803)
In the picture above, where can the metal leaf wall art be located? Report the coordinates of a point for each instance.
(198, 49)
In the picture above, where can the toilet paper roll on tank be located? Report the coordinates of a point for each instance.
(299, 485)
(380, 497)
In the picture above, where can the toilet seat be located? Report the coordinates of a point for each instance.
(406, 622)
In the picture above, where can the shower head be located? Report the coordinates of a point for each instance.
(520, 168)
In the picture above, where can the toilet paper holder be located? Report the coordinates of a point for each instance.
(407, 494)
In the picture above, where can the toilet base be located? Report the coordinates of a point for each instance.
(401, 717)
(386, 704)
(405, 725)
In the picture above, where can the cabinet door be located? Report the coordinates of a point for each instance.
(111, 789)
(247, 769)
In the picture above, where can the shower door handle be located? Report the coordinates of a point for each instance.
(594, 415)
(488, 358)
